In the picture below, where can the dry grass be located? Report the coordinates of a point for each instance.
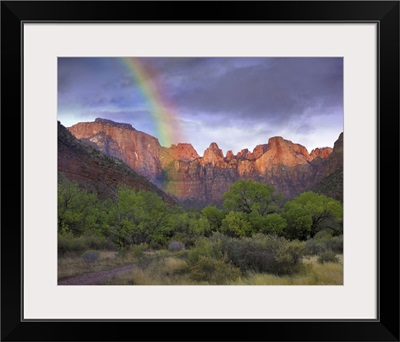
(315, 274)
(174, 266)
(167, 269)
(75, 266)
(123, 279)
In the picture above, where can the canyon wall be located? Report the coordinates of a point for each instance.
(181, 172)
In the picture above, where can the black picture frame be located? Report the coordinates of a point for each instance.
(385, 328)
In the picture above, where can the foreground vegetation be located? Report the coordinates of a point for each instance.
(174, 268)
(174, 271)
(257, 238)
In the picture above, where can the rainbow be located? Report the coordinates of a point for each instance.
(162, 111)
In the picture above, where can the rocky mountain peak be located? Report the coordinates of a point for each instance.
(114, 124)
(322, 152)
(214, 146)
(243, 154)
(282, 147)
(283, 153)
(229, 155)
(277, 142)
(183, 151)
(286, 165)
(213, 154)
(137, 149)
(338, 146)
(259, 150)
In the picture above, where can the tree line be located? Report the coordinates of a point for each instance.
(139, 217)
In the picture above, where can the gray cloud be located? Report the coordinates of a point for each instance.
(250, 98)
(279, 89)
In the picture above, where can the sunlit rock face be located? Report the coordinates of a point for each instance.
(321, 152)
(180, 171)
(139, 150)
(96, 171)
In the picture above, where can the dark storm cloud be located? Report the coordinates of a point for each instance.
(121, 116)
(239, 101)
(91, 75)
(278, 88)
(96, 84)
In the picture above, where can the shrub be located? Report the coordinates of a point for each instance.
(328, 257)
(289, 259)
(138, 250)
(155, 245)
(204, 247)
(264, 253)
(182, 254)
(314, 247)
(186, 239)
(335, 243)
(144, 261)
(323, 235)
(175, 266)
(96, 242)
(161, 268)
(175, 246)
(324, 242)
(214, 271)
(90, 256)
(261, 253)
(67, 243)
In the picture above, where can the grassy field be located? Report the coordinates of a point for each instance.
(173, 268)
(315, 274)
(75, 265)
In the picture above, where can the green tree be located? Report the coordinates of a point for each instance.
(180, 224)
(248, 196)
(269, 224)
(153, 216)
(309, 213)
(235, 224)
(199, 226)
(187, 227)
(214, 216)
(78, 210)
(139, 217)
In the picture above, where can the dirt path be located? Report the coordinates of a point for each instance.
(95, 278)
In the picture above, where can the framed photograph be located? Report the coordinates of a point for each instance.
(191, 163)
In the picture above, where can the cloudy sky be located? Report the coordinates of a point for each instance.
(236, 102)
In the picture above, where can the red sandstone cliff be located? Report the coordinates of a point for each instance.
(139, 150)
(321, 152)
(97, 171)
(180, 171)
